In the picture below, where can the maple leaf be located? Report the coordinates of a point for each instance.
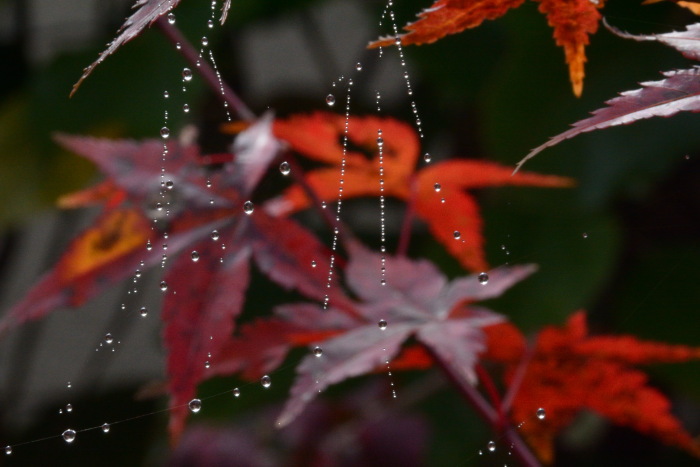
(571, 370)
(573, 21)
(147, 12)
(679, 91)
(445, 209)
(356, 338)
(209, 245)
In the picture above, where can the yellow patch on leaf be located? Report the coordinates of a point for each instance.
(115, 234)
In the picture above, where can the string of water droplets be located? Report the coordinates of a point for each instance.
(330, 100)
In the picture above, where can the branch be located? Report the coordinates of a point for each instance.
(173, 34)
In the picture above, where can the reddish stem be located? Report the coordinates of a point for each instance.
(409, 214)
(492, 391)
(344, 234)
(204, 69)
(518, 447)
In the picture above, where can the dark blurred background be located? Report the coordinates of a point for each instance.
(623, 244)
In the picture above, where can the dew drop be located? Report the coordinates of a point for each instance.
(457, 235)
(323, 204)
(207, 364)
(214, 235)
(380, 141)
(186, 108)
(585, 235)
(382, 324)
(491, 446)
(8, 450)
(210, 24)
(105, 427)
(313, 264)
(437, 187)
(483, 278)
(149, 246)
(187, 74)
(318, 351)
(178, 46)
(330, 100)
(284, 168)
(195, 405)
(205, 41)
(540, 413)
(194, 256)
(144, 312)
(69, 408)
(171, 18)
(426, 157)
(166, 94)
(481, 453)
(358, 66)
(108, 338)
(69, 385)
(163, 286)
(236, 392)
(69, 435)
(248, 207)
(266, 381)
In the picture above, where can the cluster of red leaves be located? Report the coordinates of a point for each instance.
(570, 371)
(573, 21)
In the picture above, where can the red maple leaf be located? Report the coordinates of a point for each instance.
(571, 370)
(573, 21)
(209, 244)
(445, 208)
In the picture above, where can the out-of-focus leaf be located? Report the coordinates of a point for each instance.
(198, 317)
(318, 136)
(406, 309)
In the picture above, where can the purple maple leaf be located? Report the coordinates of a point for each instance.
(417, 300)
(678, 92)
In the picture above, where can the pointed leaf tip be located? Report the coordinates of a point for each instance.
(147, 12)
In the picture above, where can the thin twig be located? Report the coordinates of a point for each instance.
(490, 388)
(204, 69)
(518, 447)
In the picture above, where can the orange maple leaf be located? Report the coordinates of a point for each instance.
(571, 370)
(445, 209)
(572, 20)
